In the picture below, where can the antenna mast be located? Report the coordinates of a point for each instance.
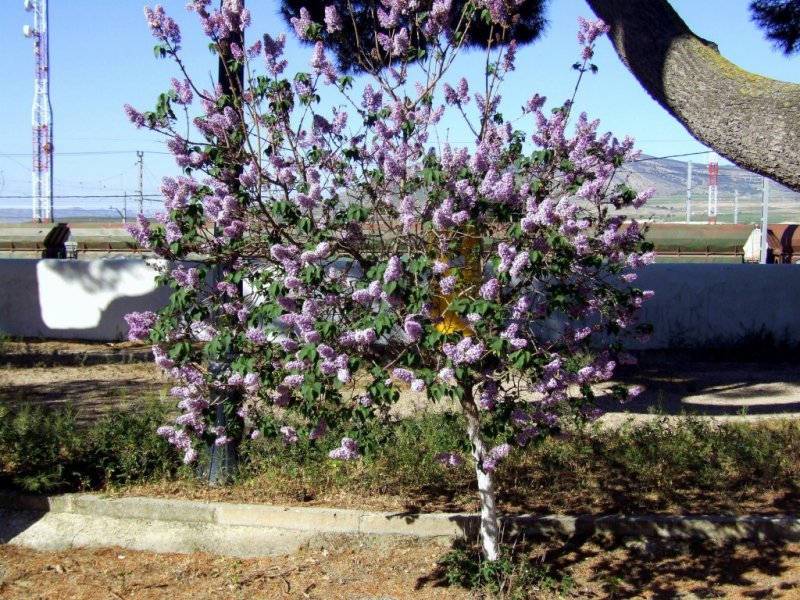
(713, 183)
(140, 162)
(42, 114)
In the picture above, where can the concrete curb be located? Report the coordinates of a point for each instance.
(78, 358)
(84, 520)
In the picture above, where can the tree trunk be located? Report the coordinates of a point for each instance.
(490, 528)
(751, 120)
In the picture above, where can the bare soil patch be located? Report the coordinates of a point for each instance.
(97, 376)
(350, 568)
(93, 377)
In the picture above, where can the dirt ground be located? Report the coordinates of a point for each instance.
(94, 377)
(97, 377)
(405, 569)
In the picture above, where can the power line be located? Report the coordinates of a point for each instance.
(86, 196)
(670, 156)
(85, 153)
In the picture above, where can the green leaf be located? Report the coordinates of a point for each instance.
(351, 153)
(345, 83)
(357, 213)
(305, 224)
(308, 352)
(521, 359)
(180, 351)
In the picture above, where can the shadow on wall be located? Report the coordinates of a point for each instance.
(75, 299)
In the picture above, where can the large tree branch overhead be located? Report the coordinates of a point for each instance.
(751, 120)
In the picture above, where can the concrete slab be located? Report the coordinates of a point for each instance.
(61, 531)
(329, 520)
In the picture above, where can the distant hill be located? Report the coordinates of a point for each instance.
(63, 215)
(668, 177)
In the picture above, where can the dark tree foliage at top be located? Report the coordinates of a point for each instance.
(780, 19)
(355, 44)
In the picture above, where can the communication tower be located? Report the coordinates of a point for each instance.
(42, 115)
(713, 182)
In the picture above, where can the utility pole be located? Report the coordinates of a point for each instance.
(689, 192)
(764, 218)
(223, 459)
(42, 114)
(713, 183)
(140, 162)
(735, 207)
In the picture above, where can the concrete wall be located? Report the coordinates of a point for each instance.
(716, 306)
(75, 299)
(696, 305)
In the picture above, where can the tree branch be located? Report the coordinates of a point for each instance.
(751, 120)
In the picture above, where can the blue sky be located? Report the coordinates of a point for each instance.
(101, 58)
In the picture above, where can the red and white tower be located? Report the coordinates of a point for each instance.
(42, 117)
(713, 182)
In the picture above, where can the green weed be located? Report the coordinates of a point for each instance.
(677, 464)
(512, 576)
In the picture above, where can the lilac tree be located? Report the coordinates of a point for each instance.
(357, 254)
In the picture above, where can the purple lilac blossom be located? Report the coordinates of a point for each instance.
(257, 336)
(134, 116)
(490, 289)
(164, 28)
(251, 383)
(140, 231)
(321, 64)
(333, 21)
(140, 324)
(363, 297)
(293, 381)
(180, 439)
(183, 91)
(494, 455)
(358, 337)
(273, 51)
(161, 358)
(524, 436)
(403, 375)
(413, 329)
(467, 351)
(447, 375)
(347, 451)
(394, 270)
(439, 267)
(302, 23)
(489, 395)
(448, 284)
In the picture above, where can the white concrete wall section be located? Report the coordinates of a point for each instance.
(721, 305)
(75, 299)
(695, 306)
